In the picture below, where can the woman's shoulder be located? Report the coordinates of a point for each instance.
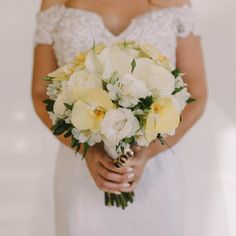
(170, 3)
(49, 3)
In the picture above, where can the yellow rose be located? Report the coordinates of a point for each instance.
(163, 118)
(88, 112)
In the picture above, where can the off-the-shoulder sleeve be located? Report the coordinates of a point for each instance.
(186, 24)
(46, 22)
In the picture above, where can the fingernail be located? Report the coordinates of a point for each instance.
(125, 185)
(129, 169)
(130, 176)
(117, 193)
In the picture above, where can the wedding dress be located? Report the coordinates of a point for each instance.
(158, 209)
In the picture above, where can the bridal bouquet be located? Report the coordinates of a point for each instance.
(120, 95)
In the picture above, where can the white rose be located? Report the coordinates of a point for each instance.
(158, 79)
(115, 59)
(128, 90)
(118, 124)
(81, 78)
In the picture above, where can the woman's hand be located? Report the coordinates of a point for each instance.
(138, 163)
(106, 176)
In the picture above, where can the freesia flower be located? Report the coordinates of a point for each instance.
(128, 90)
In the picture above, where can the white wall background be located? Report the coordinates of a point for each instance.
(28, 150)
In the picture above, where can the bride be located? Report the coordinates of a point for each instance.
(155, 174)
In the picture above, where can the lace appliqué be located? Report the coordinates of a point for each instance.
(72, 30)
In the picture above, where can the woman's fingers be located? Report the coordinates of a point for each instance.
(108, 186)
(108, 164)
(116, 177)
(130, 188)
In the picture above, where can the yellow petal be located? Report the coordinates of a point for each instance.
(81, 116)
(89, 110)
(62, 73)
(98, 98)
(150, 131)
(169, 116)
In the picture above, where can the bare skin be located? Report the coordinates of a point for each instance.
(117, 16)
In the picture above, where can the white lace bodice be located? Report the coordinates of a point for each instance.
(72, 30)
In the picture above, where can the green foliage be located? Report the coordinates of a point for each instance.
(191, 100)
(176, 73)
(161, 139)
(86, 147)
(133, 65)
(130, 140)
(49, 104)
(144, 103)
(177, 90)
(68, 132)
(69, 106)
(60, 127)
(47, 78)
(74, 141)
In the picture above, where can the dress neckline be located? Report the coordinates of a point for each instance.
(100, 18)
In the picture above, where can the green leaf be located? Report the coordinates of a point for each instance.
(176, 73)
(161, 139)
(74, 141)
(69, 106)
(68, 133)
(77, 149)
(145, 103)
(94, 45)
(191, 100)
(130, 140)
(177, 90)
(59, 122)
(47, 78)
(49, 104)
(86, 147)
(133, 65)
(61, 127)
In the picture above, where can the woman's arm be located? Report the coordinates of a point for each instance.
(44, 63)
(189, 61)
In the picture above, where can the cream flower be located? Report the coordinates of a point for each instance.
(59, 105)
(158, 79)
(118, 124)
(93, 63)
(86, 136)
(156, 55)
(88, 112)
(163, 118)
(63, 73)
(128, 90)
(82, 78)
(115, 59)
